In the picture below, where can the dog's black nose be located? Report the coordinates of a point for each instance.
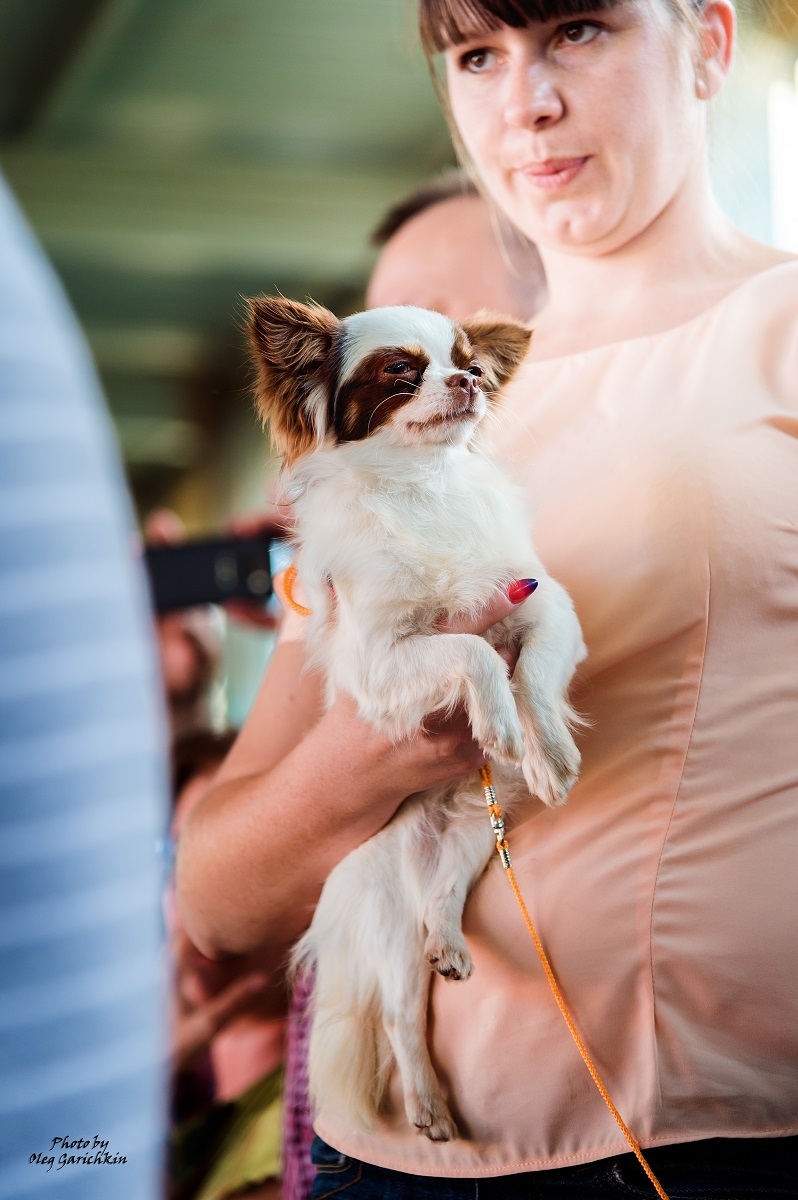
(464, 382)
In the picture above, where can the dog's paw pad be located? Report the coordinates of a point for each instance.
(453, 962)
(432, 1118)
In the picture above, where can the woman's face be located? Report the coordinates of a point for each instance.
(583, 130)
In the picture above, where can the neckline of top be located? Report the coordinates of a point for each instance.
(663, 333)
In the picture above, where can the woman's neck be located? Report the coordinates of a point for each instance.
(685, 261)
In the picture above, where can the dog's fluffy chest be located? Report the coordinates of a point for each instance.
(443, 527)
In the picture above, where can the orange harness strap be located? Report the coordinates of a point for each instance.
(503, 848)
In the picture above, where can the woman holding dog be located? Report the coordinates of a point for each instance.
(655, 422)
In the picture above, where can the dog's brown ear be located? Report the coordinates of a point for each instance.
(292, 346)
(500, 345)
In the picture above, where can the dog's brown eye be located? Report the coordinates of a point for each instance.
(476, 370)
(398, 368)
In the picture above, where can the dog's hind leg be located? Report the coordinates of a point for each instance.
(464, 851)
(405, 996)
(404, 978)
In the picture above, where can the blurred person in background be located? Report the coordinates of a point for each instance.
(227, 1018)
(189, 643)
(190, 640)
(444, 247)
(228, 1034)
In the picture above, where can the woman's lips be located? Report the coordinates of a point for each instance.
(553, 172)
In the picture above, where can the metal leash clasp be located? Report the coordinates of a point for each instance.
(496, 818)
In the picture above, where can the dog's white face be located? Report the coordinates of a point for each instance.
(407, 376)
(410, 374)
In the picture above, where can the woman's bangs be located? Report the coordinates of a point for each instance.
(446, 23)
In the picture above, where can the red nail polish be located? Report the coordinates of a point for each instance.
(520, 589)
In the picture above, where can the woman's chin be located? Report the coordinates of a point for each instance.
(590, 223)
(581, 230)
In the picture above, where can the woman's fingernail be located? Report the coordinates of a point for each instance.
(520, 589)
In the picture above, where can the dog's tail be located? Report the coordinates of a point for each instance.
(349, 1056)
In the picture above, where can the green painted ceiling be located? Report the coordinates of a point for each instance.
(176, 154)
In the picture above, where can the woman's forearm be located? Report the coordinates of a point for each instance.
(255, 854)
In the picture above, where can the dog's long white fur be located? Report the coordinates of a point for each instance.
(413, 524)
(407, 538)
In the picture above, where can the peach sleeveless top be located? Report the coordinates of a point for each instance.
(664, 476)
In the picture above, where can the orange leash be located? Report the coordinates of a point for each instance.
(503, 848)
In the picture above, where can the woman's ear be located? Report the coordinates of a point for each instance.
(291, 346)
(717, 26)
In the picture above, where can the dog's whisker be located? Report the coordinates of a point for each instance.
(393, 396)
(500, 418)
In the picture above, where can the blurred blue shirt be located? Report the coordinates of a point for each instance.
(82, 772)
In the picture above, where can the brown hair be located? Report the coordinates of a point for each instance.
(445, 23)
(451, 185)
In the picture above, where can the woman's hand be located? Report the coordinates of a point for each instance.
(444, 750)
(500, 605)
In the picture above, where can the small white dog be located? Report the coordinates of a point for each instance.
(402, 522)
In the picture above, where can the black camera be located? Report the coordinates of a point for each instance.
(212, 571)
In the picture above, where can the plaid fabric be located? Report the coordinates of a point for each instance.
(298, 1170)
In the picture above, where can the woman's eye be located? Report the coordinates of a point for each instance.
(475, 60)
(476, 370)
(398, 368)
(578, 33)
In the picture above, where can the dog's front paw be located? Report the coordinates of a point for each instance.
(501, 736)
(551, 766)
(451, 961)
(431, 1117)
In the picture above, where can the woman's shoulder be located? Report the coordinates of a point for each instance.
(759, 320)
(745, 342)
(754, 276)
(761, 302)
(774, 284)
